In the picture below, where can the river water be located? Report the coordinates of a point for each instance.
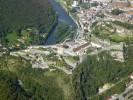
(63, 16)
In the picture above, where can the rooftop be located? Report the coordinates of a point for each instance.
(129, 12)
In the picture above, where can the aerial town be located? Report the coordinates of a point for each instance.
(100, 28)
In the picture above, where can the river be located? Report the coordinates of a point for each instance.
(63, 16)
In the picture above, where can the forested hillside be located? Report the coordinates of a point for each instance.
(10, 88)
(98, 70)
(18, 15)
(19, 81)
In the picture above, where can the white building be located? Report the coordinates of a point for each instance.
(75, 3)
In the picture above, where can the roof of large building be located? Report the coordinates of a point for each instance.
(80, 47)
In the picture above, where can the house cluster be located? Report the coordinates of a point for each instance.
(87, 16)
(126, 7)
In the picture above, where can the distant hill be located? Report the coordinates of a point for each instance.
(16, 15)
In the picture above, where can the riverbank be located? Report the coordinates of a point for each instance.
(64, 17)
(69, 13)
(66, 8)
(53, 27)
(62, 13)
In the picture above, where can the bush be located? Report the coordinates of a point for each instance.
(117, 11)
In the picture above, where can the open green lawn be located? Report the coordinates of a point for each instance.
(117, 38)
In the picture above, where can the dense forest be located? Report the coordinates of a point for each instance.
(14, 91)
(100, 69)
(19, 15)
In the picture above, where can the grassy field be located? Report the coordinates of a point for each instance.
(108, 31)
